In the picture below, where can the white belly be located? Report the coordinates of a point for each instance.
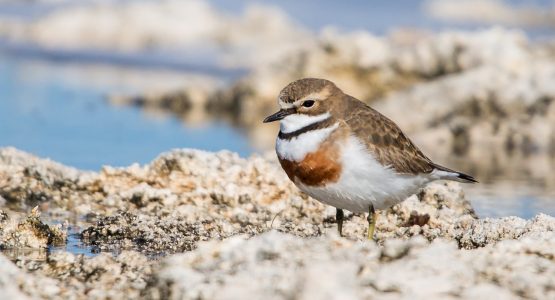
(365, 181)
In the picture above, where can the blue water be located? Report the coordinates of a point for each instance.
(74, 244)
(50, 115)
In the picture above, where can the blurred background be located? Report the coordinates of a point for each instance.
(107, 82)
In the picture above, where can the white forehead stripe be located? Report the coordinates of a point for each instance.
(285, 105)
(298, 147)
(297, 121)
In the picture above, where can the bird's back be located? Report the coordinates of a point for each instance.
(389, 145)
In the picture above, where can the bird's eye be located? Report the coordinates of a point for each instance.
(308, 103)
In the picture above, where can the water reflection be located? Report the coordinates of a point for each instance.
(61, 112)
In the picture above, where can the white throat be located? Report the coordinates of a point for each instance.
(297, 121)
(297, 148)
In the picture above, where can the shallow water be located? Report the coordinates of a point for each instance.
(60, 111)
(489, 200)
(73, 245)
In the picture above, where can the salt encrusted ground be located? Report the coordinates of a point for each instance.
(233, 227)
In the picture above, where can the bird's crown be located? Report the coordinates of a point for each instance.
(314, 89)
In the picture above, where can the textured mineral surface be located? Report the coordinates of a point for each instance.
(199, 225)
(29, 232)
(328, 267)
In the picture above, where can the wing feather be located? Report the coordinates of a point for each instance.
(385, 140)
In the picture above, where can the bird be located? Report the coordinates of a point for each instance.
(341, 152)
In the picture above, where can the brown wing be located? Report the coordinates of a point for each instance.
(385, 140)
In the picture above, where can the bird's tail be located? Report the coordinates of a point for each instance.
(449, 174)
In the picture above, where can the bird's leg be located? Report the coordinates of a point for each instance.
(339, 218)
(372, 217)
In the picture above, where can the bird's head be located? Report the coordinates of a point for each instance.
(304, 102)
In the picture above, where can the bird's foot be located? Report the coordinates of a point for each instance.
(339, 218)
(372, 217)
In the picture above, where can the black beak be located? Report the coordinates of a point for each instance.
(282, 113)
